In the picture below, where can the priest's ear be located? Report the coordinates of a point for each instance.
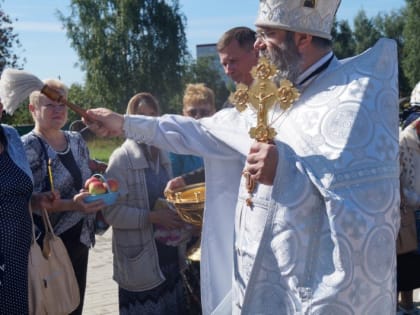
(302, 41)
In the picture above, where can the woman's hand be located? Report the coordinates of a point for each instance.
(166, 218)
(45, 200)
(97, 166)
(175, 183)
(87, 207)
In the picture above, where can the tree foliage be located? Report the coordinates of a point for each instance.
(128, 46)
(8, 42)
(411, 34)
(391, 25)
(344, 44)
(396, 25)
(366, 33)
(21, 116)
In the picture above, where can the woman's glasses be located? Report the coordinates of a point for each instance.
(193, 112)
(52, 107)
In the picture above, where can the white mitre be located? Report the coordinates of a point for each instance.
(312, 17)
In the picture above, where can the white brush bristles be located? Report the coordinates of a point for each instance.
(16, 86)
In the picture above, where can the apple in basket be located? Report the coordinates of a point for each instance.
(90, 180)
(96, 188)
(112, 184)
(101, 188)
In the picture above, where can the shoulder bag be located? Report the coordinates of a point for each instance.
(53, 287)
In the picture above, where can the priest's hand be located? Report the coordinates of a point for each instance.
(104, 122)
(262, 162)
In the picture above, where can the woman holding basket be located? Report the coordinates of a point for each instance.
(146, 267)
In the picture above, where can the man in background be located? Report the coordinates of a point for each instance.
(237, 56)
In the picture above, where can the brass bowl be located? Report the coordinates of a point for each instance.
(189, 202)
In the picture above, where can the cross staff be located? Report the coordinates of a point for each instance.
(263, 95)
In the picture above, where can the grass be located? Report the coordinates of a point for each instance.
(100, 148)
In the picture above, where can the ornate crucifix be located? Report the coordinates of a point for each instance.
(262, 96)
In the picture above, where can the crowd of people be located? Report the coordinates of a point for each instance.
(305, 223)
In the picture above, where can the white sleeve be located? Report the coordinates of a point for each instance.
(179, 134)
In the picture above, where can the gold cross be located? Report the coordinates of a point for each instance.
(262, 96)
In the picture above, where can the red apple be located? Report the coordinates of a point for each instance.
(96, 188)
(91, 180)
(112, 184)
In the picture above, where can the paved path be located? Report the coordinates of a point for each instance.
(101, 292)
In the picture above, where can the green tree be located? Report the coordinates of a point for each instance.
(79, 96)
(344, 44)
(391, 25)
(21, 116)
(365, 32)
(411, 33)
(126, 47)
(8, 41)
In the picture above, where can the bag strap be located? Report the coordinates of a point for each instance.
(68, 162)
(44, 150)
(47, 223)
(49, 231)
(33, 223)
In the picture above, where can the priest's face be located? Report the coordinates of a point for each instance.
(279, 47)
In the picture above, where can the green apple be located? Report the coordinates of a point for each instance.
(96, 188)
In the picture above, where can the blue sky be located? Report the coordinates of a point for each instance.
(48, 53)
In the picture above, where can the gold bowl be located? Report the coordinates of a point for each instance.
(189, 202)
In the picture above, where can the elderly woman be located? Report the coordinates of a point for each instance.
(72, 218)
(198, 102)
(15, 221)
(146, 268)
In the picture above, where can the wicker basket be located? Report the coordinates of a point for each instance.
(189, 202)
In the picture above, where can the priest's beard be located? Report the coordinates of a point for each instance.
(286, 58)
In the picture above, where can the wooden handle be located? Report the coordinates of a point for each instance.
(57, 97)
(77, 109)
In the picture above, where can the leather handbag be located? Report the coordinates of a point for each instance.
(53, 287)
(407, 236)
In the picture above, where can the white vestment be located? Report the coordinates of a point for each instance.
(322, 239)
(224, 167)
